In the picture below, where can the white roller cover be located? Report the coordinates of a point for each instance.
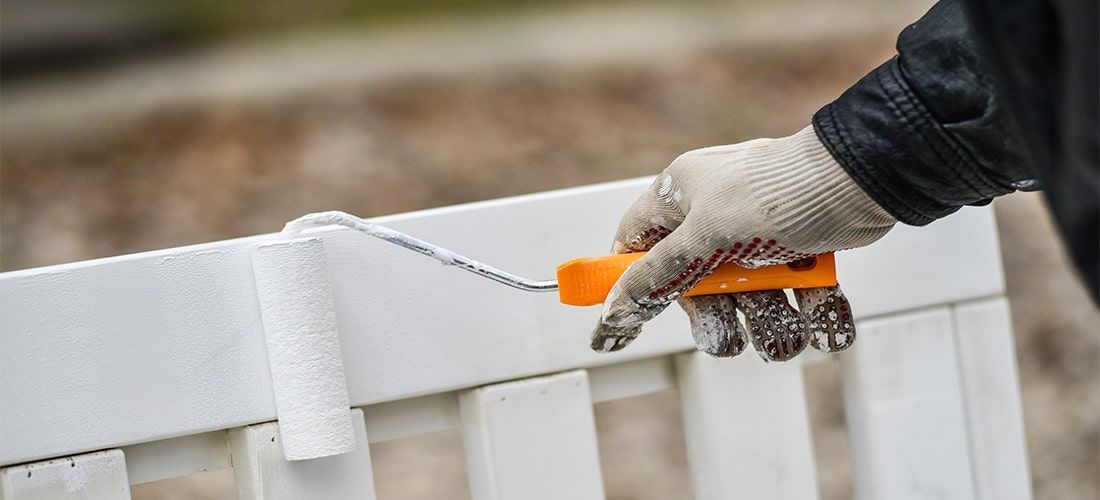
(303, 349)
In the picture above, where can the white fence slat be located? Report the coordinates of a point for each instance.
(746, 428)
(928, 277)
(410, 417)
(176, 457)
(180, 331)
(633, 378)
(532, 439)
(988, 362)
(437, 412)
(904, 403)
(263, 473)
(93, 476)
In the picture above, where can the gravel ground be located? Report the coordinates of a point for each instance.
(220, 166)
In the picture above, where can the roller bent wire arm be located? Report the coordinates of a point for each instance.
(447, 257)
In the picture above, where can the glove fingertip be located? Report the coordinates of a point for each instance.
(776, 329)
(607, 338)
(714, 325)
(828, 317)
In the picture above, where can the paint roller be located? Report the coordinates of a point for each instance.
(299, 316)
(587, 281)
(303, 348)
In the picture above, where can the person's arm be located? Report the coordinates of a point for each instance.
(913, 141)
(924, 133)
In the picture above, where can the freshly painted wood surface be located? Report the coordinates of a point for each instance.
(262, 473)
(987, 360)
(411, 417)
(169, 458)
(746, 428)
(176, 457)
(633, 378)
(905, 409)
(92, 476)
(163, 344)
(532, 439)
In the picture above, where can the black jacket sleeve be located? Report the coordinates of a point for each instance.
(923, 133)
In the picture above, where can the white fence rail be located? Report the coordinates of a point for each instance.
(142, 367)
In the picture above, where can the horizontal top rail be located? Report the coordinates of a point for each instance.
(169, 343)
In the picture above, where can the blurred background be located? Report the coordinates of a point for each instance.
(129, 126)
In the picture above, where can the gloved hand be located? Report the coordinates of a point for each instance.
(757, 203)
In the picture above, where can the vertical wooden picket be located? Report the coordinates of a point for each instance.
(532, 439)
(746, 428)
(994, 411)
(93, 476)
(263, 473)
(904, 402)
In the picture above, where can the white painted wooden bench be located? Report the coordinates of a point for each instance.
(149, 366)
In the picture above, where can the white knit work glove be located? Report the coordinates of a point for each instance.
(757, 203)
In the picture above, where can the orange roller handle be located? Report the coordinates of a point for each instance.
(586, 281)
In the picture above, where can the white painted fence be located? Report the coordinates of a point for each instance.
(149, 366)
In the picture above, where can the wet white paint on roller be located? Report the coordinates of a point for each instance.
(303, 348)
(336, 218)
(443, 255)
